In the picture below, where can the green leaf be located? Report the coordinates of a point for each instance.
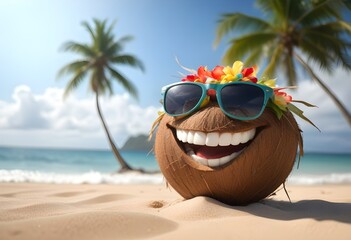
(79, 48)
(254, 57)
(289, 67)
(124, 82)
(278, 111)
(322, 11)
(74, 82)
(304, 103)
(129, 60)
(299, 113)
(242, 46)
(274, 61)
(239, 21)
(73, 67)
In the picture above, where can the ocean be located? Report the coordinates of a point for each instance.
(43, 165)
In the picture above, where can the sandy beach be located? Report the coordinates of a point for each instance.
(56, 211)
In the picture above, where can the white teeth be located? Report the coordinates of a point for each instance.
(184, 136)
(236, 139)
(214, 162)
(199, 138)
(225, 139)
(214, 139)
(190, 138)
(198, 159)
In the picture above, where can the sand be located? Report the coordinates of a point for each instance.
(54, 211)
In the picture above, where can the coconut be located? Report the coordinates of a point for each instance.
(256, 169)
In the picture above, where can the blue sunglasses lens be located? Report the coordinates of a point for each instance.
(242, 100)
(181, 99)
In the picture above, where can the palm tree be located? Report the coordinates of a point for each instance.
(98, 60)
(295, 33)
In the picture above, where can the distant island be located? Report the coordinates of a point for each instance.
(138, 143)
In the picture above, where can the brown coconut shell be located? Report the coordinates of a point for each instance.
(253, 175)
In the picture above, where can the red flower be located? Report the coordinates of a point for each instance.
(203, 74)
(190, 78)
(247, 71)
(249, 74)
(217, 72)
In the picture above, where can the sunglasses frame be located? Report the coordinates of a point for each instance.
(267, 91)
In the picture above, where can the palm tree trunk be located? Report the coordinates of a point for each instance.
(122, 162)
(338, 103)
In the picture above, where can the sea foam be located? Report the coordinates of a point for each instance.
(92, 177)
(333, 178)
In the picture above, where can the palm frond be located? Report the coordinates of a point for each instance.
(346, 26)
(110, 28)
(239, 21)
(289, 67)
(273, 8)
(125, 39)
(294, 9)
(129, 60)
(99, 33)
(73, 67)
(89, 29)
(322, 11)
(124, 82)
(242, 46)
(79, 48)
(116, 46)
(317, 54)
(74, 82)
(274, 61)
(108, 86)
(254, 57)
(336, 46)
(336, 27)
(103, 83)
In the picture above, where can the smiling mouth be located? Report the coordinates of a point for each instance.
(214, 149)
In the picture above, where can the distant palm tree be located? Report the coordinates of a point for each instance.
(98, 60)
(292, 30)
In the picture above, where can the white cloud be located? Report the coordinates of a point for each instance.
(46, 120)
(25, 112)
(327, 114)
(335, 135)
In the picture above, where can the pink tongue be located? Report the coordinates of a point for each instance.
(216, 152)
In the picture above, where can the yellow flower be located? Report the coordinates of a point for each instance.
(269, 83)
(231, 73)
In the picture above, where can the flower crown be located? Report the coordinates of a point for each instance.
(281, 101)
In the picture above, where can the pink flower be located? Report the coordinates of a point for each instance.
(281, 99)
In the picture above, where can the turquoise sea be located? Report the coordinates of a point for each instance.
(19, 164)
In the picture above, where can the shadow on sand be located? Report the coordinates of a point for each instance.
(314, 209)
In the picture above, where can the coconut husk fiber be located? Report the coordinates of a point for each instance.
(253, 175)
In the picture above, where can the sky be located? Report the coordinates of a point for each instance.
(33, 112)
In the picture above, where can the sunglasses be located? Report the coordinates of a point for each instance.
(238, 100)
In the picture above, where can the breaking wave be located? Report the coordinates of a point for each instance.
(92, 177)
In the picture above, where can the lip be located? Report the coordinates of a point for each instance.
(214, 149)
